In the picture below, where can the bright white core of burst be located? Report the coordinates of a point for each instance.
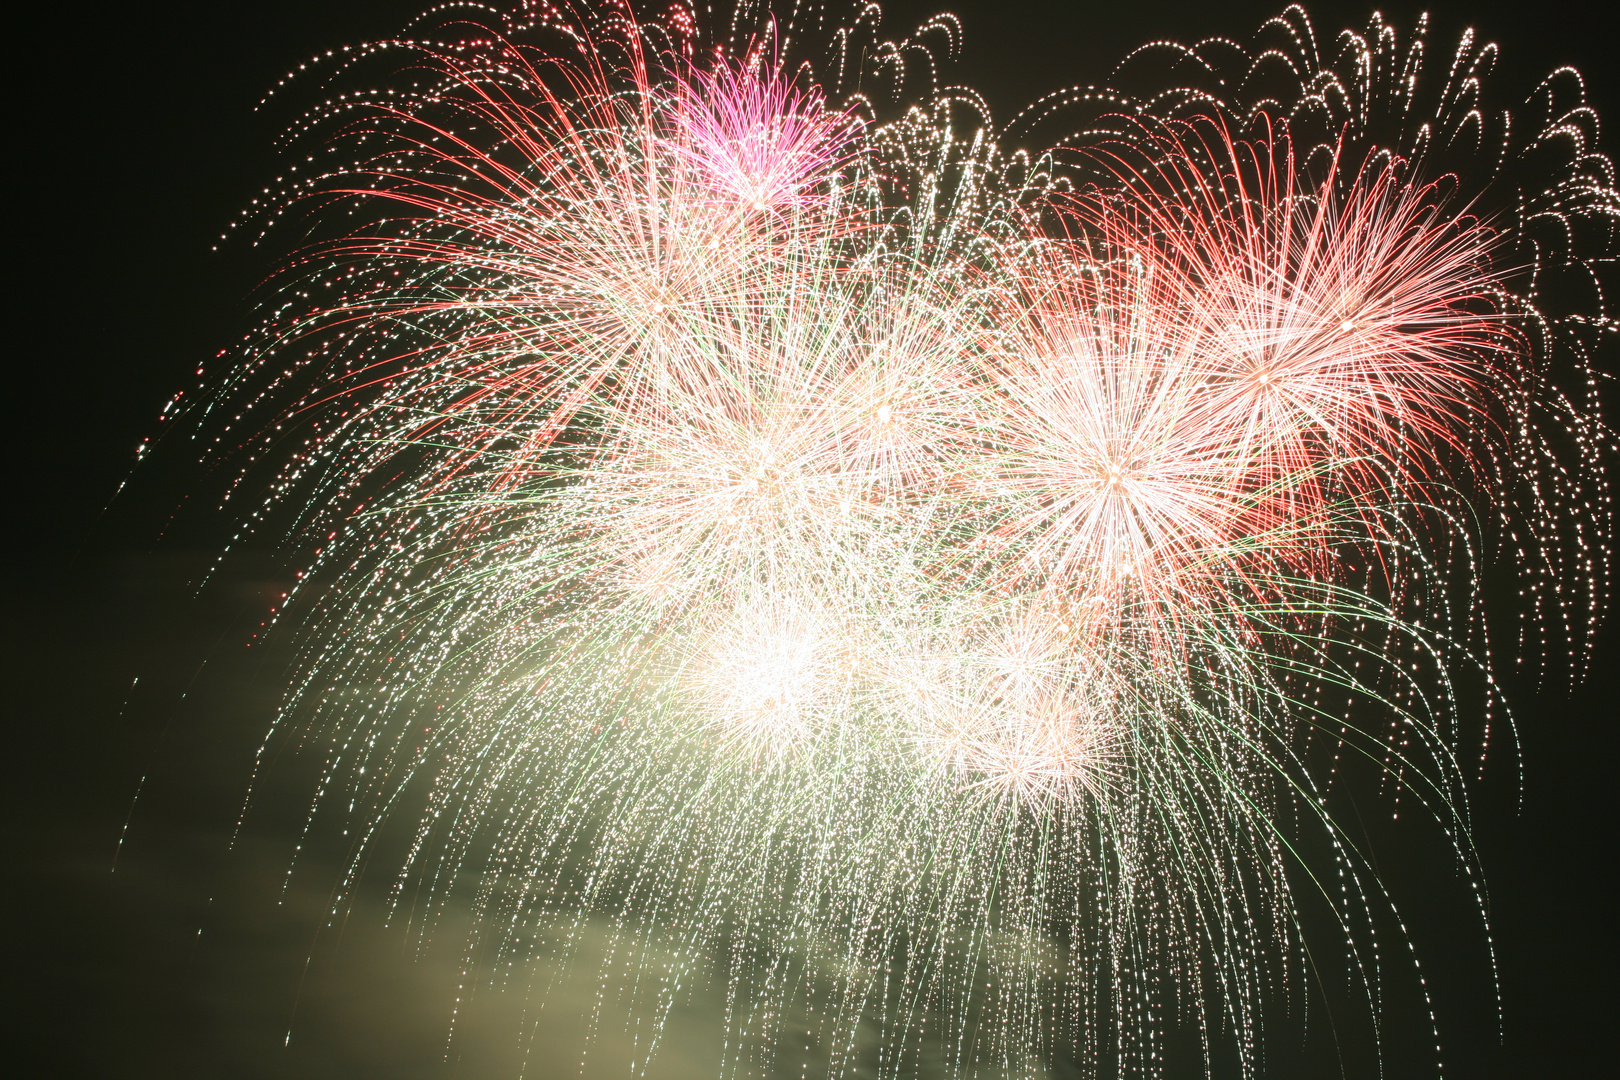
(762, 680)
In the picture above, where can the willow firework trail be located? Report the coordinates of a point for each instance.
(909, 584)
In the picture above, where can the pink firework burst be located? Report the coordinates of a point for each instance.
(1356, 342)
(1225, 375)
(759, 141)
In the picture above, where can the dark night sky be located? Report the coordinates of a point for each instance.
(132, 143)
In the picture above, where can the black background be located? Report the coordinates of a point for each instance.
(132, 140)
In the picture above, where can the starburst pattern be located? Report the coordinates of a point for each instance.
(901, 580)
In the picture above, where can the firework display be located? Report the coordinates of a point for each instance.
(921, 590)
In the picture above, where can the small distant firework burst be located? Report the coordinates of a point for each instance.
(918, 586)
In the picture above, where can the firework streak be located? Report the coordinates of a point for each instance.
(922, 591)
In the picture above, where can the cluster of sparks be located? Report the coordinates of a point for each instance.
(904, 582)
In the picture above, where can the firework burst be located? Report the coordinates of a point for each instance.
(898, 579)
